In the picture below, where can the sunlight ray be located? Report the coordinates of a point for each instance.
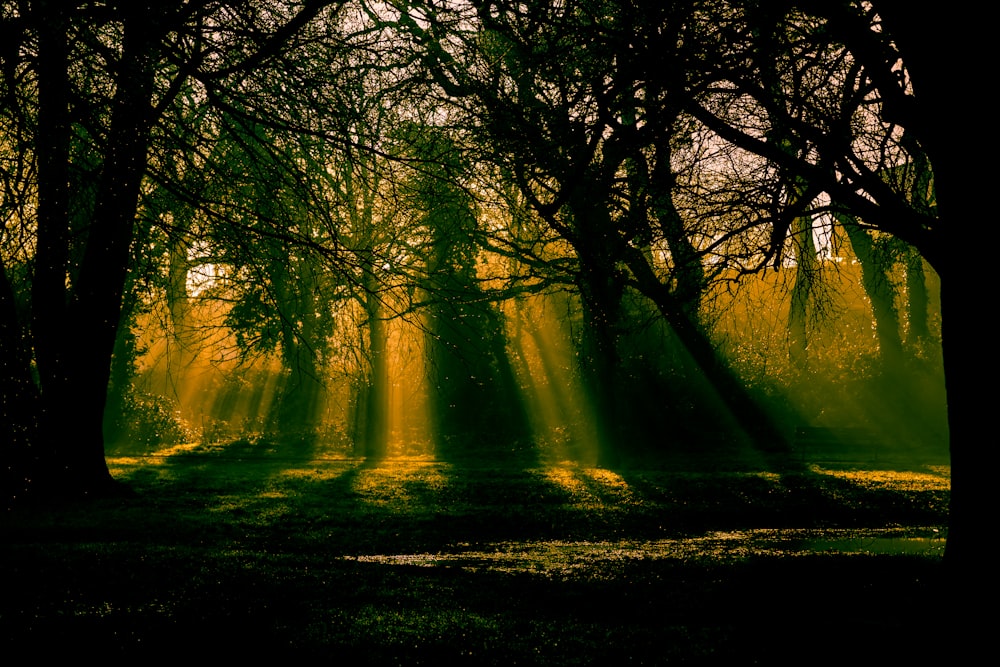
(544, 360)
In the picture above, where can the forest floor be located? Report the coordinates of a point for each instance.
(420, 562)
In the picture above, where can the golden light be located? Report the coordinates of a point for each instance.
(559, 411)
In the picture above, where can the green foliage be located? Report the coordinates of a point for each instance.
(145, 422)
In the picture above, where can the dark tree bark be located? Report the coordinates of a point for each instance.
(49, 289)
(95, 307)
(48, 331)
(947, 96)
(373, 392)
(601, 289)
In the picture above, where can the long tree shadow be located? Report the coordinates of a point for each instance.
(389, 562)
(371, 612)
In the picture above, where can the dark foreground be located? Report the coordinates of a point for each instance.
(423, 563)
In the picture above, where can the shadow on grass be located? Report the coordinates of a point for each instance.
(424, 562)
(807, 610)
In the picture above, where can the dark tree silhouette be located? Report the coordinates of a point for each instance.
(581, 106)
(930, 109)
(475, 402)
(866, 87)
(107, 72)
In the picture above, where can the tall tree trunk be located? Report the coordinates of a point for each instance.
(19, 399)
(599, 354)
(373, 389)
(601, 299)
(95, 308)
(967, 366)
(50, 335)
(971, 431)
(376, 382)
(301, 393)
(939, 72)
(300, 397)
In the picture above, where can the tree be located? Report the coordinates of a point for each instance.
(277, 282)
(76, 293)
(580, 104)
(883, 76)
(474, 394)
(929, 109)
(105, 73)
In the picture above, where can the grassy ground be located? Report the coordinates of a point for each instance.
(420, 562)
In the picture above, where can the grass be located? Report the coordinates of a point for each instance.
(421, 562)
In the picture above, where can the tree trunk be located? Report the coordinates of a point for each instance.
(972, 437)
(939, 73)
(50, 335)
(599, 355)
(376, 383)
(78, 393)
(968, 368)
(601, 298)
(373, 390)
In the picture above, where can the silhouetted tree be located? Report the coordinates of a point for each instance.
(106, 72)
(475, 401)
(857, 78)
(581, 105)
